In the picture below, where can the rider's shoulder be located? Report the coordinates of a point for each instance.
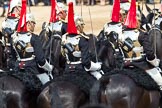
(63, 21)
(84, 35)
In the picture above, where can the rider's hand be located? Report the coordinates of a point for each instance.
(94, 66)
(155, 62)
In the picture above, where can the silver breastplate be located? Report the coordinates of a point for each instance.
(55, 26)
(22, 45)
(76, 54)
(10, 23)
(132, 34)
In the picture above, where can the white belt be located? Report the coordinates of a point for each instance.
(133, 59)
(27, 59)
(8, 44)
(77, 62)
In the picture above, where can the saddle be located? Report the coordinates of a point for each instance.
(140, 63)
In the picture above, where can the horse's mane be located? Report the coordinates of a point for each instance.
(29, 79)
(81, 79)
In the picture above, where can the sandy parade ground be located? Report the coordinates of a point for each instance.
(94, 16)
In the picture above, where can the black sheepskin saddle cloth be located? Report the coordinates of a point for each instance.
(81, 79)
(140, 77)
(30, 80)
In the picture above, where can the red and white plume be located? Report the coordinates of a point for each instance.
(131, 20)
(71, 27)
(22, 22)
(53, 11)
(115, 17)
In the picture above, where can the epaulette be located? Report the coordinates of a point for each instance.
(136, 30)
(142, 30)
(87, 37)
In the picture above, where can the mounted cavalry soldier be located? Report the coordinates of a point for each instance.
(142, 37)
(115, 24)
(61, 12)
(57, 21)
(29, 54)
(75, 45)
(9, 25)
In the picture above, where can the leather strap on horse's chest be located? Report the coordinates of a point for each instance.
(103, 96)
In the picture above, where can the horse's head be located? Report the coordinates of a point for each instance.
(111, 31)
(106, 51)
(51, 41)
(113, 26)
(155, 37)
(113, 38)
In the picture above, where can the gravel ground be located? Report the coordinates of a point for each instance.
(94, 16)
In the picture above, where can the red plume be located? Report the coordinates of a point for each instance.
(53, 11)
(116, 11)
(131, 20)
(22, 22)
(71, 28)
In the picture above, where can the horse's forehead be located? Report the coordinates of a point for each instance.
(132, 34)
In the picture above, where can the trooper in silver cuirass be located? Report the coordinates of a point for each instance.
(29, 53)
(76, 45)
(9, 26)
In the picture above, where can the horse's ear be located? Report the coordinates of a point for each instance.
(44, 25)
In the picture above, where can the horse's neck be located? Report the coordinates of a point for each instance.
(155, 36)
(51, 46)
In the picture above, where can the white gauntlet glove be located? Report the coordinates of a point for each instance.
(155, 62)
(94, 66)
(95, 70)
(47, 67)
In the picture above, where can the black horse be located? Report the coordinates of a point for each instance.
(18, 89)
(71, 90)
(155, 37)
(128, 87)
(52, 48)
